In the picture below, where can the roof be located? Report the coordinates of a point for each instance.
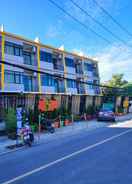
(46, 46)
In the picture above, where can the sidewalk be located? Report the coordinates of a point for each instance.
(70, 130)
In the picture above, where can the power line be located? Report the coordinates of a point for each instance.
(99, 23)
(56, 76)
(78, 21)
(112, 18)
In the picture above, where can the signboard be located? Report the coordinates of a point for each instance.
(47, 105)
(19, 117)
(125, 103)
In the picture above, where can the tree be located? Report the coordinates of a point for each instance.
(128, 88)
(117, 81)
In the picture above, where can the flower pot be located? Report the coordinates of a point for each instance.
(66, 122)
(89, 117)
(56, 124)
(94, 116)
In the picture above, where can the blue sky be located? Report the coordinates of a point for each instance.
(31, 18)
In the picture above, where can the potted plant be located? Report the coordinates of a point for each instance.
(11, 122)
(90, 111)
(120, 111)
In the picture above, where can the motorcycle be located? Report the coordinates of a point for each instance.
(47, 125)
(27, 134)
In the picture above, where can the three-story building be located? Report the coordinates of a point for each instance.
(62, 72)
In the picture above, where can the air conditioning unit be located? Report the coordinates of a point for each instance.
(34, 49)
(35, 74)
(60, 56)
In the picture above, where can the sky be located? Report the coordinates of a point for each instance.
(31, 19)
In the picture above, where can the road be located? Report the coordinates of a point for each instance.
(101, 156)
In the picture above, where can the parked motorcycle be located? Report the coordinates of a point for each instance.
(47, 125)
(27, 135)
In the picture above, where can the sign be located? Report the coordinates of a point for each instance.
(19, 117)
(125, 103)
(47, 105)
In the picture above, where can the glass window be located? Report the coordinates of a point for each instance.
(9, 50)
(27, 58)
(17, 78)
(9, 77)
(69, 62)
(47, 80)
(71, 83)
(13, 49)
(45, 56)
(88, 67)
(18, 51)
(13, 77)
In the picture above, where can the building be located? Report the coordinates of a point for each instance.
(65, 73)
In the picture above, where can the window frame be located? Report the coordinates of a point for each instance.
(46, 56)
(14, 47)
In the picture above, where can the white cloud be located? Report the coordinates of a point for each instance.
(115, 59)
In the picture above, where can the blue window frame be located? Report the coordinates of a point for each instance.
(69, 62)
(46, 56)
(88, 67)
(28, 83)
(47, 80)
(71, 83)
(13, 77)
(27, 58)
(13, 49)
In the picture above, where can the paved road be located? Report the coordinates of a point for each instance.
(101, 156)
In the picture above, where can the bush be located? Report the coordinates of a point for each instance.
(120, 110)
(90, 110)
(2, 114)
(11, 121)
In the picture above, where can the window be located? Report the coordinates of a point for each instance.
(17, 78)
(45, 56)
(27, 58)
(69, 62)
(17, 51)
(71, 83)
(13, 49)
(9, 50)
(12, 77)
(88, 67)
(47, 80)
(9, 77)
(90, 85)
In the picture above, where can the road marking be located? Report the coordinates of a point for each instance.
(66, 157)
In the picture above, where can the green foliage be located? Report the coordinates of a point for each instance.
(11, 121)
(31, 115)
(36, 110)
(120, 109)
(77, 117)
(128, 88)
(2, 113)
(117, 81)
(90, 110)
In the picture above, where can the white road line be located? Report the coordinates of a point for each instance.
(65, 157)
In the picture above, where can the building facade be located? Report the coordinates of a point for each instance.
(64, 72)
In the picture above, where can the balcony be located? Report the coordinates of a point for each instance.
(58, 62)
(59, 86)
(30, 55)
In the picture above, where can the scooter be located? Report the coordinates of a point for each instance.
(28, 137)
